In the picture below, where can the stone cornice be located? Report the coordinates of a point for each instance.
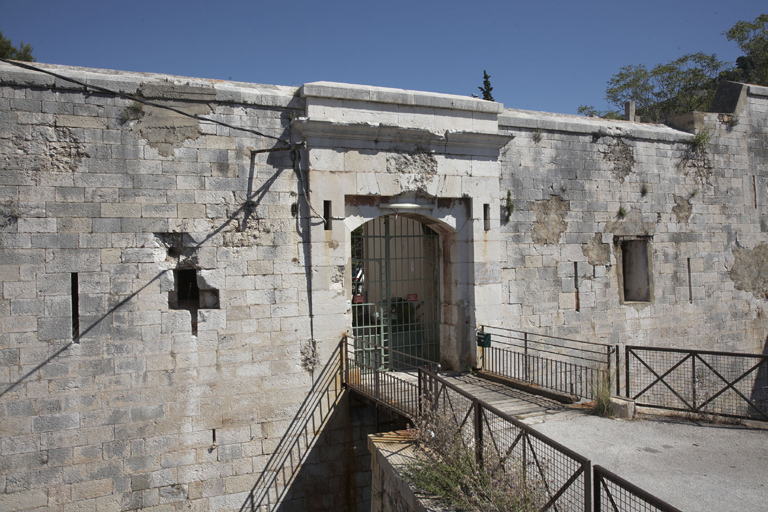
(377, 134)
(354, 92)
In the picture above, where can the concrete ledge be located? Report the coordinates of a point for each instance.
(390, 453)
(546, 121)
(160, 85)
(398, 96)
(374, 134)
(758, 90)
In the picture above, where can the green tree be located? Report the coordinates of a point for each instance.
(752, 39)
(8, 51)
(683, 85)
(486, 88)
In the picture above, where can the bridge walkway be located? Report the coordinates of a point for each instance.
(517, 403)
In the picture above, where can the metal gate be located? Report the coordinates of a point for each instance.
(395, 292)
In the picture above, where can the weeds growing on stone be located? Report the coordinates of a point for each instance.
(446, 467)
(602, 388)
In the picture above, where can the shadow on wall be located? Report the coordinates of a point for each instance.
(322, 462)
(760, 388)
(302, 435)
(98, 326)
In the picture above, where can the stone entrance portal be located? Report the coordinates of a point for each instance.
(396, 290)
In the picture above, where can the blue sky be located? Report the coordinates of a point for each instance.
(550, 55)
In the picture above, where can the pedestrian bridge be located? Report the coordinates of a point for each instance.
(490, 415)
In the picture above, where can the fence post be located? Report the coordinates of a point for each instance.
(421, 393)
(525, 355)
(608, 361)
(693, 380)
(344, 362)
(596, 485)
(376, 385)
(588, 486)
(626, 370)
(478, 432)
(482, 351)
(618, 371)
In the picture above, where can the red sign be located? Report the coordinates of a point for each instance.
(412, 297)
(358, 299)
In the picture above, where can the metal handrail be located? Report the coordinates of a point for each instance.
(546, 335)
(550, 362)
(481, 407)
(630, 490)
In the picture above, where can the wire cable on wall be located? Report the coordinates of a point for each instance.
(143, 101)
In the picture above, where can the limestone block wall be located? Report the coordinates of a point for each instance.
(171, 389)
(581, 188)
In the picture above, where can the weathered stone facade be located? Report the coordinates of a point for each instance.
(203, 229)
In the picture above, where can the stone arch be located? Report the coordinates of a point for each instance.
(448, 219)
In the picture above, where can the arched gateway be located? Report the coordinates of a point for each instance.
(396, 291)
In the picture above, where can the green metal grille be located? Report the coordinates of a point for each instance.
(395, 292)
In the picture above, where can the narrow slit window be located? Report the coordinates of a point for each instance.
(754, 189)
(690, 288)
(328, 214)
(576, 283)
(487, 217)
(636, 271)
(75, 299)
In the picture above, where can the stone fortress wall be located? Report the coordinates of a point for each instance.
(208, 294)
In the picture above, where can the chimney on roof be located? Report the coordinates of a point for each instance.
(629, 111)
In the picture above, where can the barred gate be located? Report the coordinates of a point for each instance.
(396, 290)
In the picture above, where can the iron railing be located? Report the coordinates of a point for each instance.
(565, 476)
(286, 461)
(565, 365)
(366, 373)
(614, 494)
(704, 382)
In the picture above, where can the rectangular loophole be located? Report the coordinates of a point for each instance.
(75, 299)
(328, 214)
(487, 217)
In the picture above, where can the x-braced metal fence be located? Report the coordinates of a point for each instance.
(699, 381)
(565, 365)
(614, 494)
(564, 475)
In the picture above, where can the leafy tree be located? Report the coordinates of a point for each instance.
(752, 39)
(683, 85)
(486, 88)
(8, 51)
